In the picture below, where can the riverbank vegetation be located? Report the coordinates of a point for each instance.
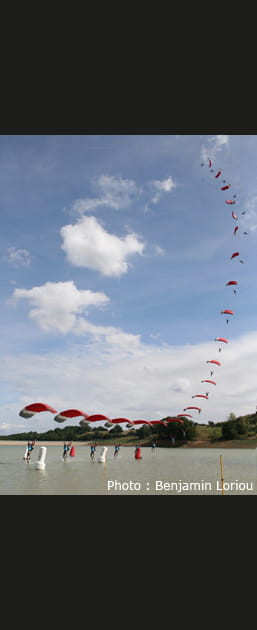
(236, 431)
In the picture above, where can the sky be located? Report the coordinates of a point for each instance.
(115, 253)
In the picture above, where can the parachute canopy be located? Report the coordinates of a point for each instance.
(69, 413)
(227, 311)
(221, 339)
(207, 380)
(29, 410)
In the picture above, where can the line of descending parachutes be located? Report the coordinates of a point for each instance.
(226, 311)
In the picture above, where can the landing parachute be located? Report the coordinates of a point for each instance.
(29, 410)
(69, 413)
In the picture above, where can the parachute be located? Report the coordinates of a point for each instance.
(200, 396)
(29, 410)
(98, 416)
(198, 408)
(218, 173)
(69, 413)
(120, 420)
(207, 380)
(234, 255)
(225, 187)
(234, 216)
(221, 339)
(235, 230)
(231, 201)
(231, 282)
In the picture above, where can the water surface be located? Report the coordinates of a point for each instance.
(165, 471)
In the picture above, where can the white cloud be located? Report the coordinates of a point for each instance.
(114, 192)
(55, 305)
(216, 144)
(162, 186)
(18, 257)
(88, 244)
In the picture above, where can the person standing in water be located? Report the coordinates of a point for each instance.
(116, 450)
(66, 448)
(92, 451)
(30, 446)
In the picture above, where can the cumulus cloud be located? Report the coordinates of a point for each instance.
(88, 244)
(18, 257)
(114, 192)
(55, 305)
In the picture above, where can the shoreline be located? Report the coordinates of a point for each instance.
(195, 444)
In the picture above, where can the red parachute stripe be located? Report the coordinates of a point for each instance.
(235, 229)
(200, 396)
(234, 255)
(231, 282)
(221, 339)
(198, 408)
(72, 413)
(210, 163)
(225, 187)
(207, 380)
(37, 407)
(227, 311)
(98, 416)
(218, 173)
(231, 201)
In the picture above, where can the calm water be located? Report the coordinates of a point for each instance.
(156, 473)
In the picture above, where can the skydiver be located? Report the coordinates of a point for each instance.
(30, 446)
(234, 290)
(227, 320)
(116, 450)
(211, 372)
(92, 451)
(66, 448)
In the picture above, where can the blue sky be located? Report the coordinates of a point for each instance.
(115, 253)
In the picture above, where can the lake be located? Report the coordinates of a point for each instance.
(165, 471)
